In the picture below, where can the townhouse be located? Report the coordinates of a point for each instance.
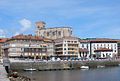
(28, 46)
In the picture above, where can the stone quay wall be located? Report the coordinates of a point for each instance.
(61, 65)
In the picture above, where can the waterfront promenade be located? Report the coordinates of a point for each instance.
(3, 74)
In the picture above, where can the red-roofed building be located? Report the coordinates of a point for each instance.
(28, 46)
(2, 40)
(104, 46)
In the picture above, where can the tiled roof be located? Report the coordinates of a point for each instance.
(118, 40)
(84, 41)
(83, 50)
(103, 40)
(67, 37)
(103, 50)
(2, 40)
(29, 37)
(97, 40)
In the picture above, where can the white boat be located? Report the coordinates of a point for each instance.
(30, 69)
(118, 64)
(100, 66)
(84, 67)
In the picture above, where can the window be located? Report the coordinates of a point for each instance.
(93, 45)
(87, 46)
(59, 33)
(75, 41)
(64, 44)
(22, 49)
(71, 32)
(115, 46)
(82, 45)
(64, 48)
(68, 41)
(95, 48)
(104, 45)
(111, 45)
(53, 33)
(47, 33)
(97, 45)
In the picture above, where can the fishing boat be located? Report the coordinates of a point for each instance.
(84, 67)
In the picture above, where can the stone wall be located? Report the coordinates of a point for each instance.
(59, 65)
(38, 65)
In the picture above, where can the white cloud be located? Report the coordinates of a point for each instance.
(17, 33)
(26, 24)
(2, 33)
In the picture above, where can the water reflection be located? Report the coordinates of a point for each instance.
(106, 74)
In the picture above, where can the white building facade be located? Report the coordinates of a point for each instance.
(108, 49)
(84, 45)
(100, 48)
(67, 47)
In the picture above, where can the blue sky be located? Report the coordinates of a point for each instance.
(88, 18)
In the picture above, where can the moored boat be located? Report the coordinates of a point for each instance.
(30, 69)
(99, 66)
(84, 67)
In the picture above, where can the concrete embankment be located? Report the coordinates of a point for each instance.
(3, 74)
(60, 65)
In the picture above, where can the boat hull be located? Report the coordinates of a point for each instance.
(31, 69)
(84, 67)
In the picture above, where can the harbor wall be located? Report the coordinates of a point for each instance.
(60, 65)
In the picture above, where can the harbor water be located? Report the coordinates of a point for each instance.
(100, 74)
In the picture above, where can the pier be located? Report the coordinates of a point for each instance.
(3, 74)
